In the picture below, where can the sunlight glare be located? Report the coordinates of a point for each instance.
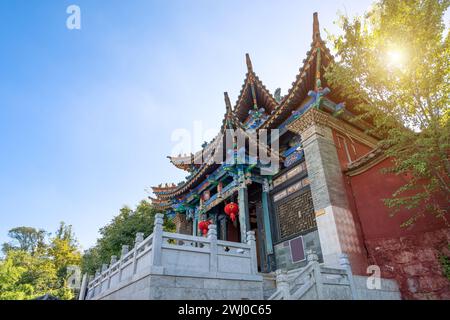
(395, 57)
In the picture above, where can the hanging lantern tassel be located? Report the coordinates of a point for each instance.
(232, 210)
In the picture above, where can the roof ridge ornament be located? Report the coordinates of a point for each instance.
(227, 102)
(229, 113)
(249, 63)
(277, 95)
(316, 27)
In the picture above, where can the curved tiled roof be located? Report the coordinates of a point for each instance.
(252, 79)
(236, 116)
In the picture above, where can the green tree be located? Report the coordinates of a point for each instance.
(121, 231)
(32, 267)
(393, 65)
(10, 275)
(91, 260)
(25, 276)
(25, 239)
(65, 232)
(63, 250)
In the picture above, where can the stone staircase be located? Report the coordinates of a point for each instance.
(316, 281)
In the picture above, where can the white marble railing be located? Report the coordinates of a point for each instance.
(295, 284)
(176, 254)
(316, 281)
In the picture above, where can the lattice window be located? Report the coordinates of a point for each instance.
(295, 214)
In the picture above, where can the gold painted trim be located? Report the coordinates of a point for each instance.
(320, 212)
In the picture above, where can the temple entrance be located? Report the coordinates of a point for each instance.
(226, 229)
(233, 233)
(254, 228)
(253, 211)
(230, 231)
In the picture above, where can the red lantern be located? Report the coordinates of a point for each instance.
(203, 226)
(232, 210)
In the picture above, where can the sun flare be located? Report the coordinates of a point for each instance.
(395, 57)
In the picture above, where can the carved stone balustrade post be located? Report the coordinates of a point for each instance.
(283, 284)
(124, 251)
(244, 217)
(345, 264)
(155, 256)
(313, 259)
(251, 241)
(138, 240)
(104, 269)
(212, 237)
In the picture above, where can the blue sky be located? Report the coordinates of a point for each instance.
(86, 116)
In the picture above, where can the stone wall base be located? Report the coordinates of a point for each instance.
(414, 262)
(388, 290)
(283, 251)
(167, 287)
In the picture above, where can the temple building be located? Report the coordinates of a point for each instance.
(324, 194)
